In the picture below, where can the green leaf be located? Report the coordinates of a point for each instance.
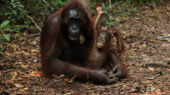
(6, 37)
(118, 19)
(8, 29)
(4, 23)
(1, 53)
(111, 24)
(123, 15)
(111, 17)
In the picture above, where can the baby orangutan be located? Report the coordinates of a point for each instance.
(103, 39)
(103, 55)
(100, 50)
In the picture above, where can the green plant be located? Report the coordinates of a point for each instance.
(3, 26)
(13, 10)
(110, 23)
(3, 36)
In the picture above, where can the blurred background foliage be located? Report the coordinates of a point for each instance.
(24, 15)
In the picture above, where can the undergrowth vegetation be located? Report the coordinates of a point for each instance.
(28, 15)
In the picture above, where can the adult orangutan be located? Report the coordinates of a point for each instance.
(63, 52)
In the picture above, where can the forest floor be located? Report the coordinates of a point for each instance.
(147, 36)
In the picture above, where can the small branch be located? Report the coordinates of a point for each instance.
(45, 2)
(33, 21)
(167, 36)
(110, 3)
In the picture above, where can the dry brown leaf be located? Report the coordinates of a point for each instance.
(14, 75)
(26, 88)
(151, 69)
(19, 85)
(35, 51)
(32, 64)
(35, 74)
(32, 74)
(24, 66)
